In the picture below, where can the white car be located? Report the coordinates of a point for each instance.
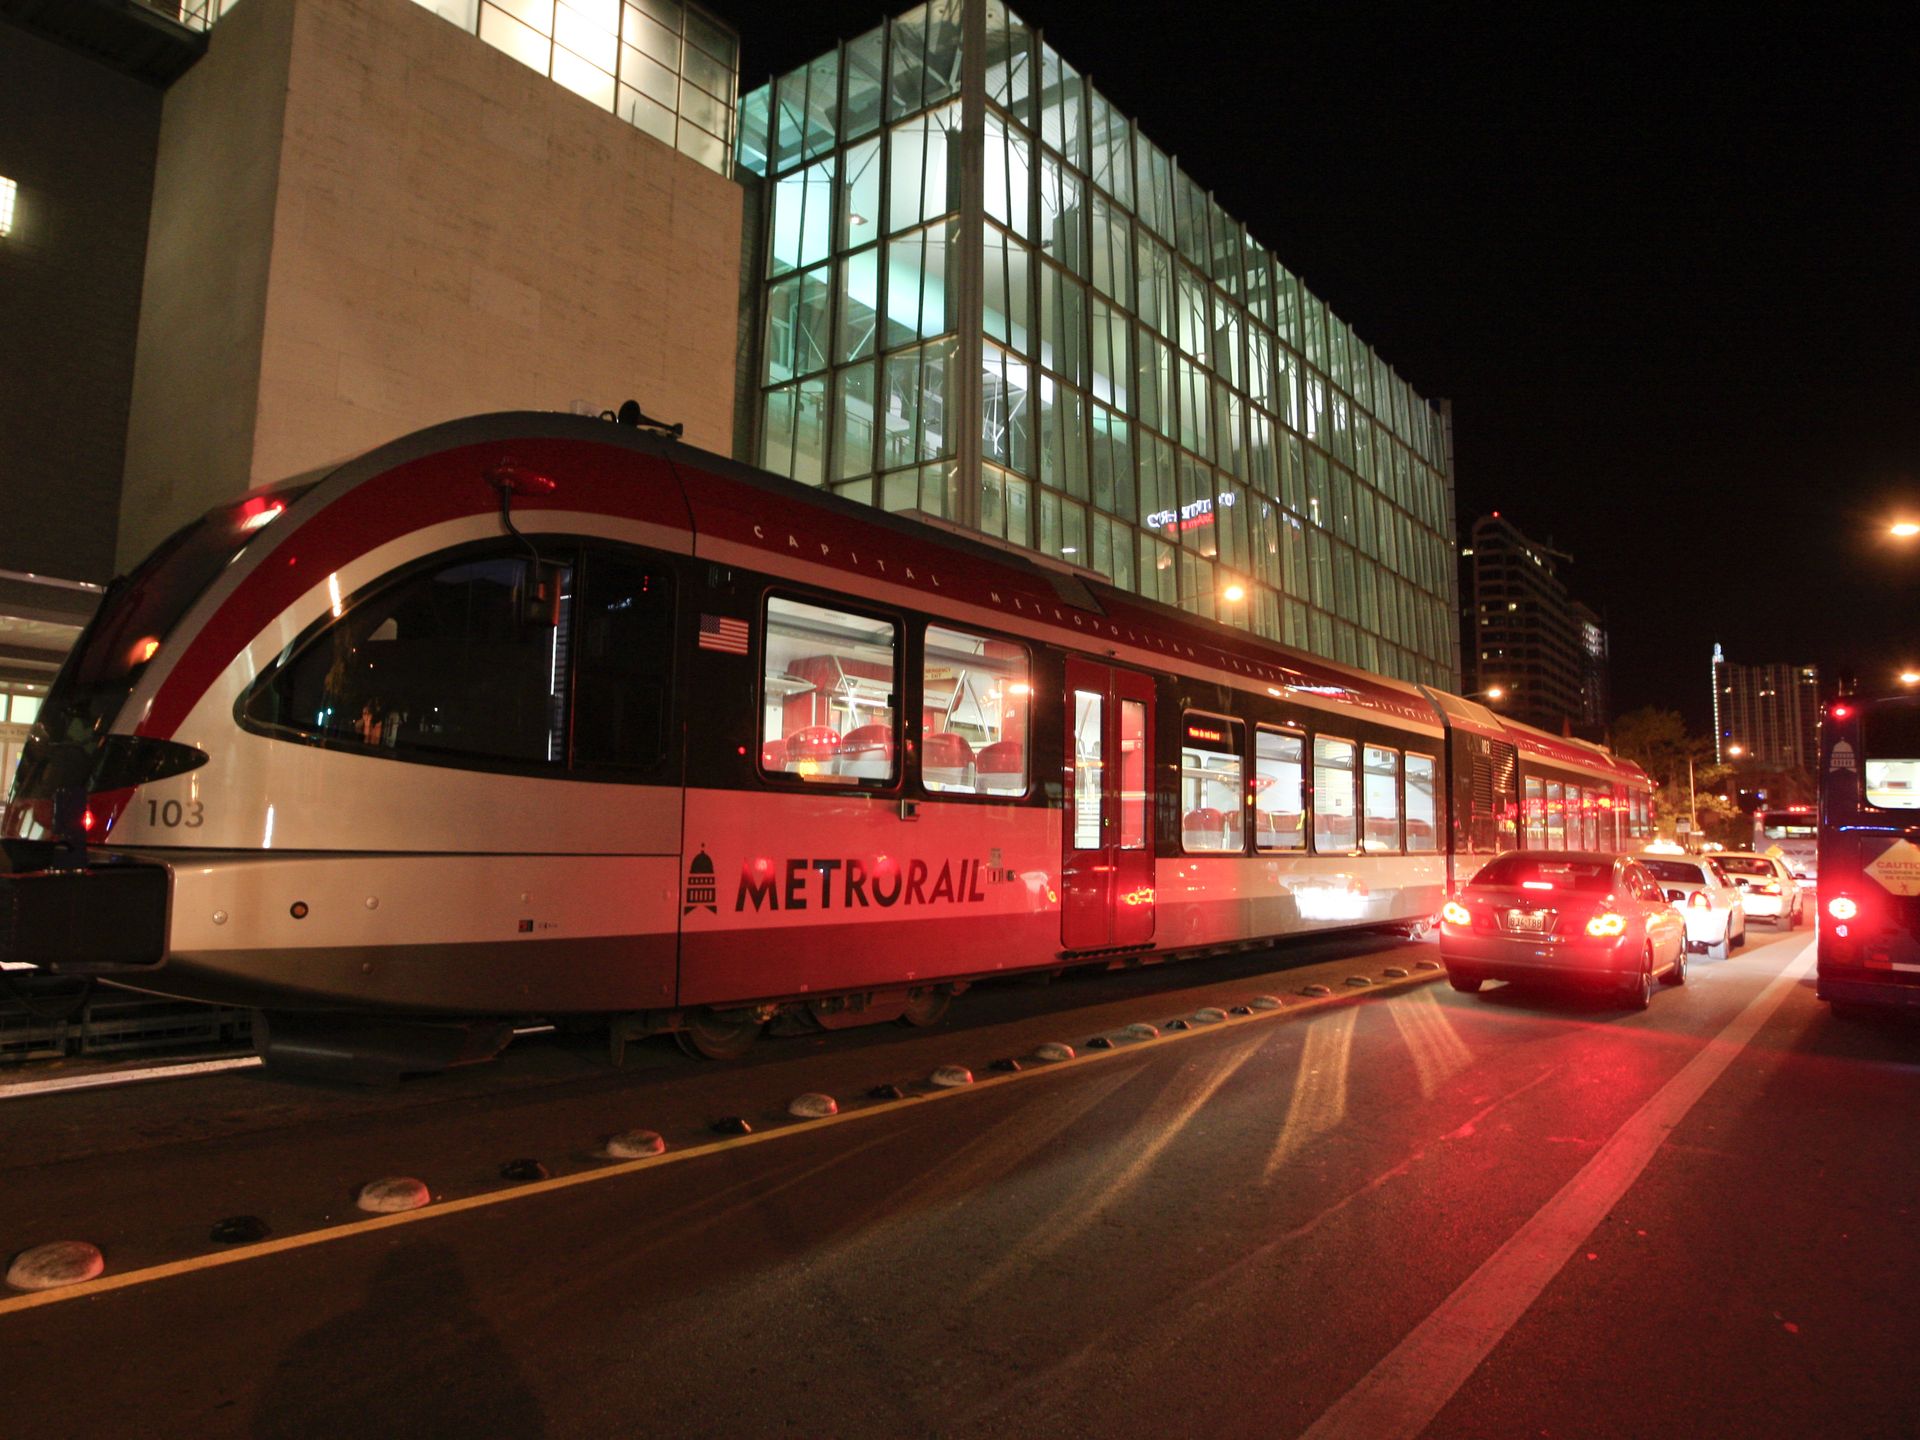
(1769, 889)
(1713, 904)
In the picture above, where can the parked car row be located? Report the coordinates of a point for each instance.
(1612, 921)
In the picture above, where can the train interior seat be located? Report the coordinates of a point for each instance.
(946, 760)
(866, 753)
(812, 751)
(1002, 768)
(1204, 829)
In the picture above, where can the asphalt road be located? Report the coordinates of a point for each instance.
(1398, 1210)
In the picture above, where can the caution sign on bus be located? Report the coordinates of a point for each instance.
(1897, 868)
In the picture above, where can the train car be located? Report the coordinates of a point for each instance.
(542, 715)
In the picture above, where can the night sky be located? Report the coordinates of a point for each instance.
(1662, 264)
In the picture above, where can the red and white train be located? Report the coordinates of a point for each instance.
(542, 715)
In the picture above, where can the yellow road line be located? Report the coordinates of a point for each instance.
(350, 1229)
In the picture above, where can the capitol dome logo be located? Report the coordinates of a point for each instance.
(702, 890)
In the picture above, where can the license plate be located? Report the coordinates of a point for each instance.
(1532, 922)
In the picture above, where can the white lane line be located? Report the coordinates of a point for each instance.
(103, 1079)
(106, 1078)
(1402, 1394)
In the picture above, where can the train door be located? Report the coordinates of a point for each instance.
(1106, 872)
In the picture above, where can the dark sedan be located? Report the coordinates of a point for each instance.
(1569, 917)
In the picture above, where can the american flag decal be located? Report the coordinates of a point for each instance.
(723, 633)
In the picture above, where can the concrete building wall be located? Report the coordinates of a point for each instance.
(203, 309)
(80, 143)
(450, 233)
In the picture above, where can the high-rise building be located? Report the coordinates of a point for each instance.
(1527, 637)
(1769, 711)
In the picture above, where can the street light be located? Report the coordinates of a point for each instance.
(1910, 677)
(1736, 749)
(1904, 529)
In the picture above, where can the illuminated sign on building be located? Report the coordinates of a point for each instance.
(1188, 517)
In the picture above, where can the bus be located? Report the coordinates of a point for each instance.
(1869, 945)
(1791, 834)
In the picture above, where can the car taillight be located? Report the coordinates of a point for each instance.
(1767, 889)
(1607, 923)
(1700, 900)
(1842, 908)
(1454, 913)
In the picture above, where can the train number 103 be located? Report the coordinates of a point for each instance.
(175, 814)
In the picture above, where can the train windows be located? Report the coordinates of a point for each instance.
(975, 696)
(1333, 796)
(829, 713)
(622, 664)
(1279, 790)
(1089, 774)
(1534, 815)
(1556, 815)
(1423, 831)
(1136, 796)
(1212, 782)
(1380, 798)
(467, 660)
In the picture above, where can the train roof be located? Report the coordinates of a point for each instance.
(740, 514)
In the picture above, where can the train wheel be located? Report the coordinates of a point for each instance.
(712, 1038)
(926, 1007)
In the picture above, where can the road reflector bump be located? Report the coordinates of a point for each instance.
(947, 1077)
(1266, 1002)
(392, 1196)
(886, 1092)
(57, 1263)
(1426, 964)
(1054, 1050)
(1241, 1010)
(1005, 1067)
(1394, 972)
(633, 1144)
(238, 1230)
(523, 1170)
(813, 1106)
(1178, 1025)
(1140, 1030)
(731, 1125)
(1358, 981)
(1211, 1015)
(1099, 1042)
(1315, 990)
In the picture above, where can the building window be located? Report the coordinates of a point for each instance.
(9, 189)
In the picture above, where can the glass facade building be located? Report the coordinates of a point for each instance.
(988, 297)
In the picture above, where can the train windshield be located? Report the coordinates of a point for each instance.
(134, 622)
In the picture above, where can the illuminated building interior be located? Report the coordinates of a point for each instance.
(1078, 350)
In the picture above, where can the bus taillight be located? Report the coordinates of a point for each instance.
(1842, 907)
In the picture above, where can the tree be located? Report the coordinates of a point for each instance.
(1685, 778)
